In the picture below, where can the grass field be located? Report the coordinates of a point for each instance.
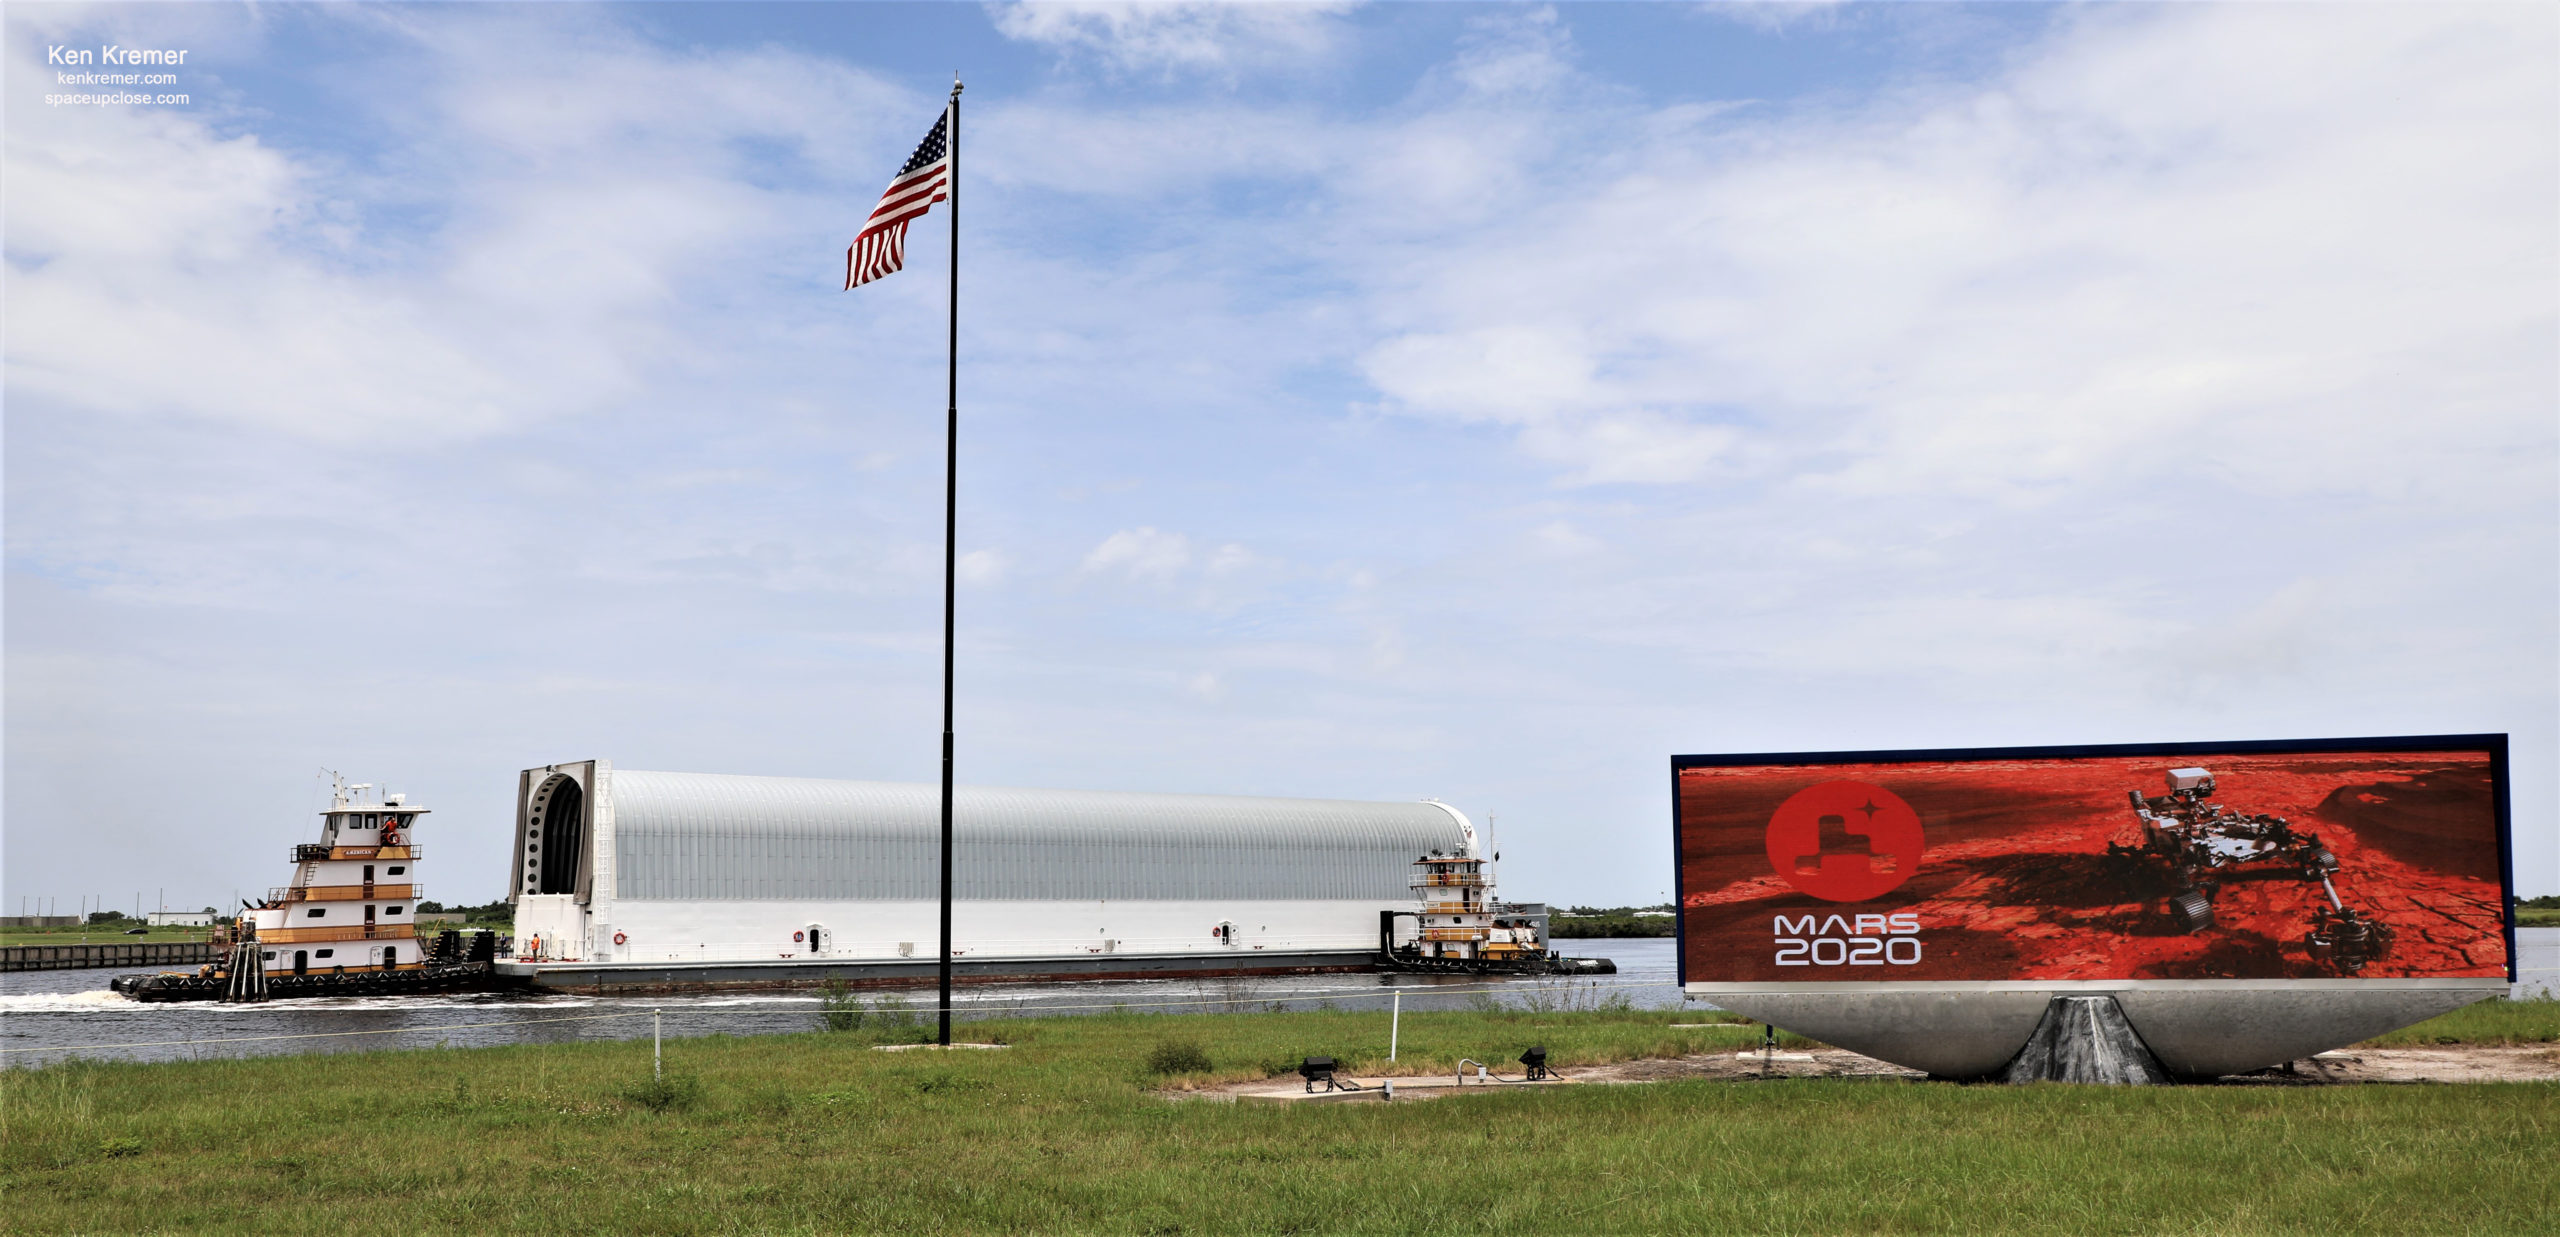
(2498, 1021)
(1068, 1131)
(2538, 916)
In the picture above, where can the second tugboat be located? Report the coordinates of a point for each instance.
(1462, 930)
(344, 926)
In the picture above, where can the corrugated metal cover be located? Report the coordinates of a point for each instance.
(709, 836)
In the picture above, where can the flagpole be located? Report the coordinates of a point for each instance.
(950, 547)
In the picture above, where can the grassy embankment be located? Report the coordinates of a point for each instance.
(1068, 1130)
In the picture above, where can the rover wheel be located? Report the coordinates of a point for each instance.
(2192, 910)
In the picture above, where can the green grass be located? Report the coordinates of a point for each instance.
(2538, 916)
(1069, 1131)
(2494, 1021)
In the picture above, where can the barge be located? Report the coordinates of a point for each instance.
(633, 881)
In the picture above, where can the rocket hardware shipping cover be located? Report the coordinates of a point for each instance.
(2325, 859)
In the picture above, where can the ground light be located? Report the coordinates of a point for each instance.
(1536, 1060)
(1320, 1070)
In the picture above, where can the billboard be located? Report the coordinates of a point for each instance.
(2346, 859)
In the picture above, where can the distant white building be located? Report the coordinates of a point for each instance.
(180, 919)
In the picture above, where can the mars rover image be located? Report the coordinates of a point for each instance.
(2193, 845)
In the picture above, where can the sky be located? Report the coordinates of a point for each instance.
(1378, 401)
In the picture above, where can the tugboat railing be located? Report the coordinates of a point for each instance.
(377, 892)
(351, 932)
(308, 852)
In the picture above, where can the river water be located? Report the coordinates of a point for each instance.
(48, 1015)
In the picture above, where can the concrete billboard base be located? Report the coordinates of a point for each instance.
(2086, 1039)
(2206, 1034)
(2194, 1028)
(1948, 1034)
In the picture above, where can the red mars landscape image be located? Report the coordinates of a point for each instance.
(2291, 865)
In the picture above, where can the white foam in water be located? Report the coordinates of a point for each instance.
(48, 1002)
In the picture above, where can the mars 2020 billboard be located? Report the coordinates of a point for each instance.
(2330, 859)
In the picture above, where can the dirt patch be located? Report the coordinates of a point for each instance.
(1746, 1066)
(2454, 1063)
(2355, 1066)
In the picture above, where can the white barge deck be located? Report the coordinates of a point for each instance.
(647, 977)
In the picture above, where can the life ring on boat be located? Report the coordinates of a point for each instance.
(620, 939)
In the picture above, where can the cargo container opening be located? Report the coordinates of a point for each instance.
(555, 834)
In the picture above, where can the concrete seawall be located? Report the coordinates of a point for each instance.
(78, 957)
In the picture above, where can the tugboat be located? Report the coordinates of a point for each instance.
(1463, 930)
(344, 926)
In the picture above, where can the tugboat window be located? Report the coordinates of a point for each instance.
(398, 870)
(392, 911)
(315, 914)
(324, 953)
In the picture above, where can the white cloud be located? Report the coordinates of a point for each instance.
(156, 266)
(1174, 34)
(1141, 554)
(1778, 16)
(984, 567)
(162, 261)
(1511, 373)
(1513, 52)
(2128, 257)
(1230, 559)
(1561, 538)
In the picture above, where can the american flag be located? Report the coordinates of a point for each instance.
(925, 180)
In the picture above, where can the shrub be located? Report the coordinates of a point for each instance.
(1178, 1056)
(839, 1007)
(664, 1093)
(896, 1019)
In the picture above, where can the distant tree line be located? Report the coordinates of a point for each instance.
(121, 917)
(493, 912)
(117, 919)
(1584, 922)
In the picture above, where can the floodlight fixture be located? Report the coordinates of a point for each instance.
(1536, 1060)
(1317, 1070)
(1321, 1070)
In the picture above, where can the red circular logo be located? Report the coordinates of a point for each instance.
(1845, 841)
